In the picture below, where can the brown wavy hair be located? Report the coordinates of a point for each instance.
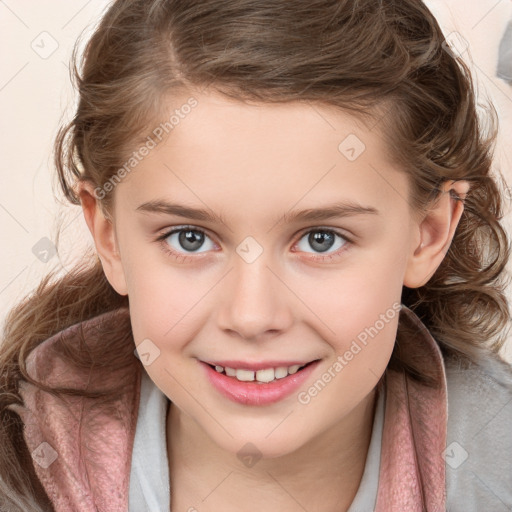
(385, 61)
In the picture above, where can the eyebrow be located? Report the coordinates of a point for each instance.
(348, 209)
(344, 209)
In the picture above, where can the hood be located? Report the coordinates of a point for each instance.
(81, 447)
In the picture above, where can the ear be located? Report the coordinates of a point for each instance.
(434, 234)
(103, 233)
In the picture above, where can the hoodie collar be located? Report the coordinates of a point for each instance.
(412, 471)
(81, 447)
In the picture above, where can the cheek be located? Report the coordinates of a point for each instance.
(169, 305)
(368, 345)
(160, 303)
(365, 337)
(355, 297)
(357, 313)
(362, 347)
(166, 314)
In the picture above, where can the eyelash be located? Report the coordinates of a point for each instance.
(185, 257)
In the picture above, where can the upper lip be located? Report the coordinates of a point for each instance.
(257, 365)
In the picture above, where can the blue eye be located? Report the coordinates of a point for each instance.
(322, 240)
(188, 240)
(184, 242)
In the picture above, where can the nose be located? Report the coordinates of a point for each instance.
(254, 302)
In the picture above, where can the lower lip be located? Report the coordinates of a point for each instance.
(254, 393)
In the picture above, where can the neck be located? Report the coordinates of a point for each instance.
(204, 474)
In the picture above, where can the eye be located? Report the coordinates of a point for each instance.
(322, 241)
(188, 240)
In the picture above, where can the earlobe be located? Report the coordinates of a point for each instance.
(104, 236)
(435, 233)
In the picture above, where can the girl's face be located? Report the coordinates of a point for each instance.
(268, 235)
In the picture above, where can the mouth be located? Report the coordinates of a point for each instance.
(259, 385)
(259, 373)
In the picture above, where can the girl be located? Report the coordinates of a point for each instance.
(297, 297)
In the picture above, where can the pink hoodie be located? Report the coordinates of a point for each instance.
(82, 447)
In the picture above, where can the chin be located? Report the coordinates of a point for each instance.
(259, 445)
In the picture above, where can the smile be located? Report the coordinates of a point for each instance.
(257, 386)
(264, 375)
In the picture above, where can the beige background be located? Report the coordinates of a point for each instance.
(35, 93)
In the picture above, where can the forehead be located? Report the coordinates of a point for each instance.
(258, 154)
(219, 120)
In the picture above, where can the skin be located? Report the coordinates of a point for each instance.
(251, 164)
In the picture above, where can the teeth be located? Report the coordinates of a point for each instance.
(293, 369)
(230, 372)
(266, 375)
(281, 372)
(245, 375)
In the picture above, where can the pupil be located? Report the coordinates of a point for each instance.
(321, 240)
(191, 240)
